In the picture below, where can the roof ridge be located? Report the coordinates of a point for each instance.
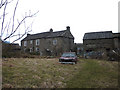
(47, 32)
(98, 32)
(98, 35)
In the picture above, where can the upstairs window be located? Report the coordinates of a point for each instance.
(31, 41)
(25, 43)
(54, 42)
(37, 42)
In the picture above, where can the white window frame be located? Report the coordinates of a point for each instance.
(31, 50)
(24, 49)
(37, 49)
(31, 41)
(78, 48)
(25, 43)
(37, 42)
(55, 42)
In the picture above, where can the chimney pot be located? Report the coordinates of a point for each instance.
(68, 27)
(51, 30)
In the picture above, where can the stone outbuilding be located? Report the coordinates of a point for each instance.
(101, 43)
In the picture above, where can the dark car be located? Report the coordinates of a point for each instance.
(68, 57)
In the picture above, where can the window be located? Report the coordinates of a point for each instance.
(78, 48)
(31, 49)
(37, 42)
(31, 41)
(25, 43)
(37, 49)
(54, 42)
(24, 49)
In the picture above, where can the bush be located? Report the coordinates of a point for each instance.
(11, 54)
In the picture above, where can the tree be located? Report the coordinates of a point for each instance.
(10, 25)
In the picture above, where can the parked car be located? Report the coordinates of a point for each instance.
(68, 57)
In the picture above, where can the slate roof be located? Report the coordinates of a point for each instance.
(98, 35)
(49, 34)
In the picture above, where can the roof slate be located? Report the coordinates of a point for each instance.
(98, 35)
(49, 35)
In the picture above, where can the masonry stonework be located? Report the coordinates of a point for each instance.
(50, 43)
(103, 43)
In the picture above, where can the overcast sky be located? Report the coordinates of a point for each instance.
(81, 15)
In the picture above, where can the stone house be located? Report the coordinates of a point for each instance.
(49, 43)
(101, 42)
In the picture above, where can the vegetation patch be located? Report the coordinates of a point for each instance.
(48, 73)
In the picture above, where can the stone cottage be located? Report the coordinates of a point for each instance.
(49, 43)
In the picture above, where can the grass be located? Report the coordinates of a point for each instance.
(94, 75)
(48, 73)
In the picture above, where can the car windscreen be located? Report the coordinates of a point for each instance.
(68, 55)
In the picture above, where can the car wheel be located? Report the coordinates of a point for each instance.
(73, 63)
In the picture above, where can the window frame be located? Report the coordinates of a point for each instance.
(37, 41)
(25, 43)
(31, 41)
(31, 50)
(24, 49)
(55, 42)
(37, 49)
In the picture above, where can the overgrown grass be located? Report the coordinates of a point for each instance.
(48, 73)
(95, 75)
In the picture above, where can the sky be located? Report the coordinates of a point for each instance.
(81, 15)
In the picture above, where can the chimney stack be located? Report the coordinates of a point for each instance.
(51, 30)
(28, 34)
(68, 28)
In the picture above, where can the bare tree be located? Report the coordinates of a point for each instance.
(10, 28)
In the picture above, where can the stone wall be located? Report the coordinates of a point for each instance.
(98, 44)
(50, 46)
(116, 42)
(108, 49)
